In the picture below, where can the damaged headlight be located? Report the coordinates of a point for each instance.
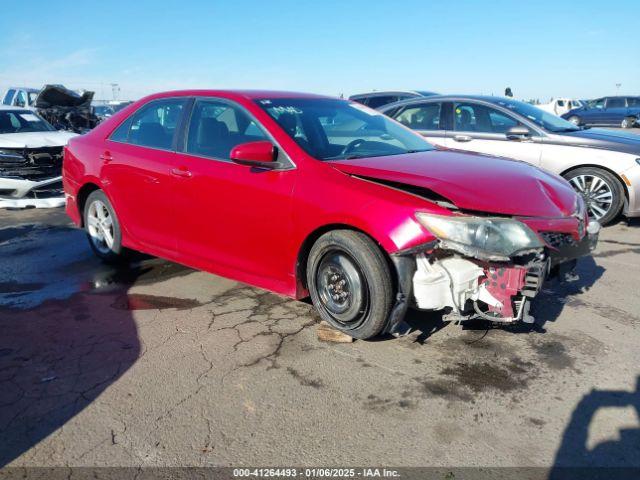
(485, 238)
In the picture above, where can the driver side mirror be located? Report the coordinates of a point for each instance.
(518, 133)
(261, 154)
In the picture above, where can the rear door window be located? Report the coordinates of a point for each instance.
(154, 125)
(616, 103)
(473, 117)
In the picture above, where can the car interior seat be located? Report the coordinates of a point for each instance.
(464, 120)
(152, 134)
(213, 138)
(289, 122)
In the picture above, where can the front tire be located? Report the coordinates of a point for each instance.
(103, 228)
(575, 120)
(350, 283)
(601, 191)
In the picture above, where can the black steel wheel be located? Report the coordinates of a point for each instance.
(350, 283)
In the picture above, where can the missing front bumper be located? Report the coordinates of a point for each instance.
(433, 279)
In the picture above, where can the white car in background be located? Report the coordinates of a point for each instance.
(560, 106)
(30, 160)
(601, 165)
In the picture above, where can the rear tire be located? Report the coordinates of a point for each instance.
(103, 228)
(350, 283)
(575, 120)
(602, 192)
(628, 122)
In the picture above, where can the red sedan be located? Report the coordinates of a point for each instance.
(314, 196)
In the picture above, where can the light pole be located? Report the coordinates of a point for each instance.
(618, 85)
(115, 90)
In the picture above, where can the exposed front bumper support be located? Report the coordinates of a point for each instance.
(454, 282)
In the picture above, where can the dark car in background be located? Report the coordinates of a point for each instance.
(607, 111)
(378, 99)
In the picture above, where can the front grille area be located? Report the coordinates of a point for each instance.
(31, 163)
(558, 240)
(52, 190)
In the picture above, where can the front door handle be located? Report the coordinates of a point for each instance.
(181, 172)
(462, 138)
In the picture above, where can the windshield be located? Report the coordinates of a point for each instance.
(331, 129)
(21, 121)
(543, 119)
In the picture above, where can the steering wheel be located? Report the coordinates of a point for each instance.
(351, 146)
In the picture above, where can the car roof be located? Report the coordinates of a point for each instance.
(246, 94)
(435, 98)
(26, 89)
(388, 92)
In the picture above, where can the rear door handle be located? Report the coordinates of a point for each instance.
(181, 172)
(106, 157)
(462, 138)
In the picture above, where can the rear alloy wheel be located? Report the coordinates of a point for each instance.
(628, 122)
(575, 120)
(601, 191)
(103, 228)
(350, 283)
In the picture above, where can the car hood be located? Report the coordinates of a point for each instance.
(606, 139)
(35, 139)
(473, 182)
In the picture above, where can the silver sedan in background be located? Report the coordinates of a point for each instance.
(602, 165)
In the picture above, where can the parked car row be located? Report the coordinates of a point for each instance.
(314, 196)
(601, 165)
(63, 108)
(607, 111)
(379, 99)
(560, 106)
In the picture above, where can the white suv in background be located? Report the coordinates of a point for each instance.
(22, 97)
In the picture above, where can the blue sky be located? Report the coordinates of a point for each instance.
(540, 49)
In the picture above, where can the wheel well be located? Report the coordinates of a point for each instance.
(83, 194)
(305, 249)
(615, 175)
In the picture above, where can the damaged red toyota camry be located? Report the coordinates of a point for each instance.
(314, 196)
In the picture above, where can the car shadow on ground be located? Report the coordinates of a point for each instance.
(67, 332)
(546, 307)
(614, 458)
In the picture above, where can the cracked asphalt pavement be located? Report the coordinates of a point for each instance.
(156, 364)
